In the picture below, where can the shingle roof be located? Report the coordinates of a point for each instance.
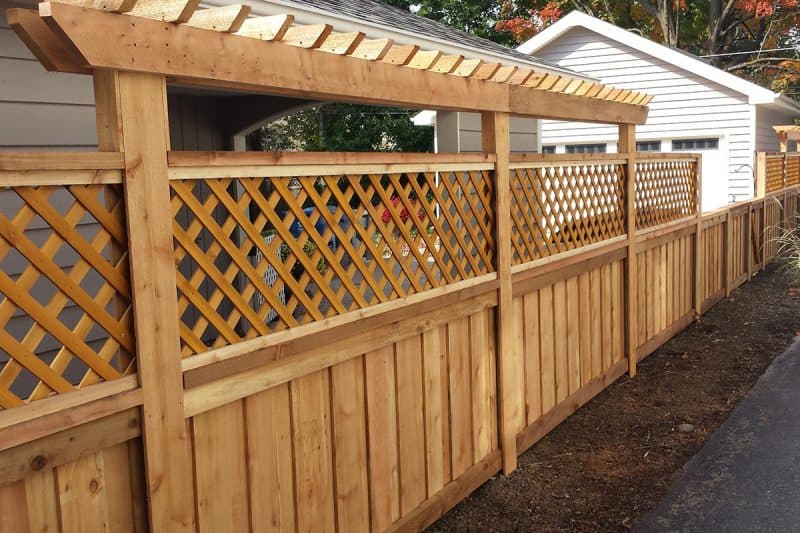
(392, 17)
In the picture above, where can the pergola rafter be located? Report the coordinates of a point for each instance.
(221, 47)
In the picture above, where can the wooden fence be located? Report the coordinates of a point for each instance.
(339, 318)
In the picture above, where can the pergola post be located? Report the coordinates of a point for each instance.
(627, 145)
(698, 242)
(496, 140)
(132, 118)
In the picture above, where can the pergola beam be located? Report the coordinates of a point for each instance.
(211, 58)
(786, 134)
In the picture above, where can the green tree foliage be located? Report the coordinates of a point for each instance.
(478, 17)
(348, 128)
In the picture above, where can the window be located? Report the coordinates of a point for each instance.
(695, 144)
(586, 148)
(648, 146)
(548, 149)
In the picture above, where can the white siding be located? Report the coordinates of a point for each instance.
(684, 105)
(766, 139)
(523, 133)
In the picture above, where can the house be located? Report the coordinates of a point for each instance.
(696, 107)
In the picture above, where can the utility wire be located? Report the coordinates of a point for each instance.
(753, 52)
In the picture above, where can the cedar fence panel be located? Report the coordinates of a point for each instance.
(339, 342)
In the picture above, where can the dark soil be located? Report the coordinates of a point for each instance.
(608, 464)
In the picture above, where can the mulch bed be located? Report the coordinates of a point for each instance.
(607, 465)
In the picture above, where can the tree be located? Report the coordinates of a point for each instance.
(757, 39)
(348, 128)
(478, 17)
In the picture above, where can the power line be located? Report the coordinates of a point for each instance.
(753, 52)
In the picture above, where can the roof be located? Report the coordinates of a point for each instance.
(689, 62)
(401, 25)
(223, 47)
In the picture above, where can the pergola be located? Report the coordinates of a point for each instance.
(222, 48)
(786, 134)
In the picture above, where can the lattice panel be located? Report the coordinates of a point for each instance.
(666, 190)
(257, 255)
(65, 305)
(558, 208)
(792, 170)
(774, 170)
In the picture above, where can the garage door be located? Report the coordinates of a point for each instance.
(714, 169)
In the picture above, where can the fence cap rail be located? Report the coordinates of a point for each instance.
(224, 159)
(62, 161)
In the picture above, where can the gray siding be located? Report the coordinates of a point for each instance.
(766, 139)
(461, 132)
(40, 109)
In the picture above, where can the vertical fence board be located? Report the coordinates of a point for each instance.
(220, 469)
(447, 450)
(269, 460)
(434, 412)
(350, 445)
(617, 312)
(597, 321)
(560, 340)
(460, 397)
(607, 315)
(410, 423)
(117, 473)
(573, 336)
(548, 362)
(533, 373)
(14, 508)
(42, 502)
(384, 480)
(82, 495)
(311, 435)
(584, 326)
(482, 385)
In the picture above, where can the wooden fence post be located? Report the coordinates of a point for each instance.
(698, 240)
(627, 145)
(495, 138)
(726, 256)
(132, 117)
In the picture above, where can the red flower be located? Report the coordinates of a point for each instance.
(386, 216)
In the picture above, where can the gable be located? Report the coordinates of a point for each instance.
(622, 66)
(577, 20)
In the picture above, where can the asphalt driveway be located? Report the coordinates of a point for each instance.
(746, 478)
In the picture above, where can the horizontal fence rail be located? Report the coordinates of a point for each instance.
(338, 321)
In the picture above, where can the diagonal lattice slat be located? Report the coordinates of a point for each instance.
(258, 255)
(64, 290)
(774, 172)
(560, 207)
(792, 170)
(666, 190)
